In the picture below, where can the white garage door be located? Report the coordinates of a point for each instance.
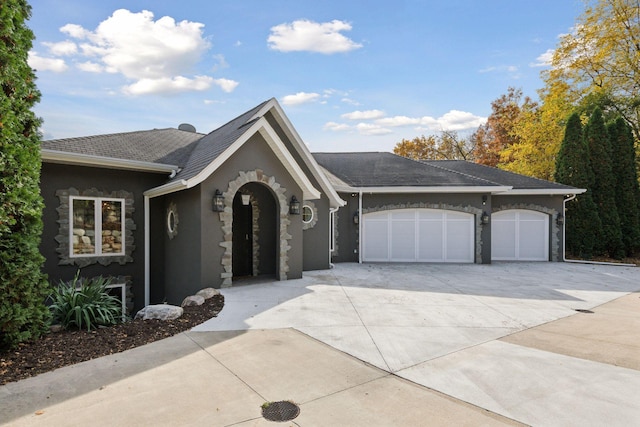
(519, 235)
(418, 235)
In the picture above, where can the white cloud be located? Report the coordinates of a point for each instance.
(453, 120)
(75, 31)
(350, 101)
(300, 98)
(543, 60)
(90, 67)
(305, 35)
(460, 120)
(169, 85)
(333, 126)
(62, 48)
(226, 85)
(363, 115)
(372, 129)
(150, 53)
(399, 121)
(39, 63)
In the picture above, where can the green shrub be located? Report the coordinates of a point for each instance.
(23, 287)
(85, 303)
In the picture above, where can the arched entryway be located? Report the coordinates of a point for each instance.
(254, 232)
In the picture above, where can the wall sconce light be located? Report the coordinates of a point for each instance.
(484, 200)
(246, 199)
(294, 206)
(217, 204)
(356, 217)
(560, 219)
(484, 219)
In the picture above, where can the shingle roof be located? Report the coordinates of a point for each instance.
(167, 146)
(192, 152)
(215, 143)
(517, 181)
(373, 169)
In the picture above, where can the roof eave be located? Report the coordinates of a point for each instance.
(303, 150)
(260, 126)
(425, 189)
(544, 191)
(67, 158)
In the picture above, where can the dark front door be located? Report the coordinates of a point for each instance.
(242, 238)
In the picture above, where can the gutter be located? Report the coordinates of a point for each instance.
(579, 261)
(154, 192)
(67, 158)
(360, 227)
(332, 225)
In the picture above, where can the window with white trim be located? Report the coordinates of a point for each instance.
(96, 226)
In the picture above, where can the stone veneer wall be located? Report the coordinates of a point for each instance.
(555, 229)
(441, 206)
(63, 228)
(226, 217)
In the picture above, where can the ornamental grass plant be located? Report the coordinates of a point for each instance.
(85, 303)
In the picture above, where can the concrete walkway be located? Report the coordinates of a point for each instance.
(479, 344)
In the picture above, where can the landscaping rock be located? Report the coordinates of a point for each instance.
(160, 311)
(192, 300)
(207, 293)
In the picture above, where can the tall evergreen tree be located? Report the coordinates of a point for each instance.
(627, 193)
(23, 287)
(572, 168)
(603, 186)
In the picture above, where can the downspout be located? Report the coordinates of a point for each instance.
(564, 240)
(360, 227)
(332, 227)
(147, 266)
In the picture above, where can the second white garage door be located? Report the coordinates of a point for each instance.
(418, 235)
(519, 235)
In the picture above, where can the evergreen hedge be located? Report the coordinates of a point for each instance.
(23, 287)
(583, 224)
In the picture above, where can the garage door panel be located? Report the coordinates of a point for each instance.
(403, 236)
(459, 241)
(376, 245)
(519, 235)
(430, 241)
(503, 242)
(423, 235)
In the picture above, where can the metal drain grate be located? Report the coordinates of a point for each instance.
(280, 411)
(582, 310)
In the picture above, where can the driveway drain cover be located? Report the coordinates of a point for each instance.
(280, 411)
(582, 310)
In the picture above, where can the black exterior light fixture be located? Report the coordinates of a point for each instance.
(217, 204)
(484, 200)
(484, 218)
(356, 217)
(560, 219)
(294, 206)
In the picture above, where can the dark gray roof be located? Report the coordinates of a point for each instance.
(192, 152)
(166, 146)
(502, 177)
(216, 142)
(390, 170)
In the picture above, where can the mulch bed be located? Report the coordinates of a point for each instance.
(68, 347)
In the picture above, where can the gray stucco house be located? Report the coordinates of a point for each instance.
(171, 211)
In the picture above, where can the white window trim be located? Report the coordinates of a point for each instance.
(312, 214)
(98, 221)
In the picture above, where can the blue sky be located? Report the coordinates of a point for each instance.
(352, 75)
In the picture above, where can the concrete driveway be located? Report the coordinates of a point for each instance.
(442, 326)
(462, 345)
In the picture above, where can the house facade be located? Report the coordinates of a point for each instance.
(170, 211)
